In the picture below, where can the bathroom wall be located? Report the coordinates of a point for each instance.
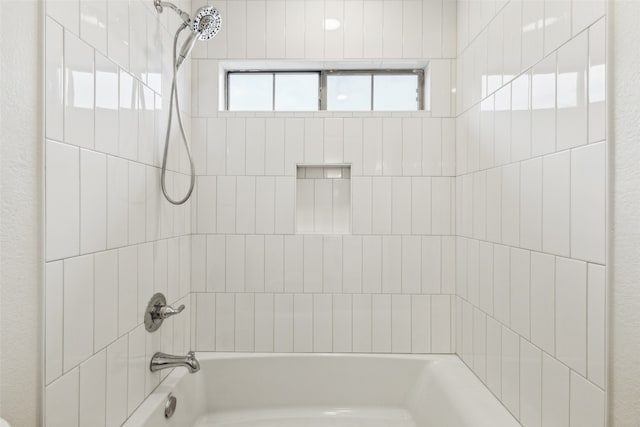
(387, 285)
(624, 337)
(531, 196)
(20, 215)
(111, 239)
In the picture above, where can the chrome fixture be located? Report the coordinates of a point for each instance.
(157, 311)
(170, 406)
(204, 26)
(161, 361)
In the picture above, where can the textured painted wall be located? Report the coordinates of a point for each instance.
(624, 343)
(20, 230)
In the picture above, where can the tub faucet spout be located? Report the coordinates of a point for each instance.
(161, 361)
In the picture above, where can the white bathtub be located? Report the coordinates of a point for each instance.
(316, 390)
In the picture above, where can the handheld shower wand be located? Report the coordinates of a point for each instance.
(204, 26)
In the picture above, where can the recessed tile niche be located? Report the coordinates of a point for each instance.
(323, 199)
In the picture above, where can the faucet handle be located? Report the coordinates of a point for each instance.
(168, 311)
(157, 311)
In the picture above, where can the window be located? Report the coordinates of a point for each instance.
(357, 90)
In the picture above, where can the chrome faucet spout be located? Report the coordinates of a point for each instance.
(161, 361)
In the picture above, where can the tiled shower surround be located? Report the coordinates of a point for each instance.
(477, 226)
(531, 206)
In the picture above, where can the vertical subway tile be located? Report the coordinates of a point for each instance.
(225, 319)
(588, 203)
(216, 263)
(54, 78)
(420, 323)
(411, 264)
(362, 323)
(596, 322)
(244, 322)
(116, 403)
(530, 384)
(79, 92)
(543, 301)
(265, 205)
(494, 356)
(283, 323)
(520, 291)
(322, 323)
(106, 298)
(255, 142)
(587, 403)
(237, 29)
(392, 264)
(440, 324)
(401, 324)
(572, 115)
(373, 16)
(93, 382)
(353, 29)
(205, 322)
(78, 310)
(381, 323)
(254, 264)
(597, 80)
(555, 392)
(511, 371)
(276, 34)
(381, 205)
(571, 312)
(313, 279)
(401, 201)
(128, 289)
(293, 263)
(264, 322)
(256, 26)
(274, 264)
(371, 264)
(54, 313)
(117, 202)
(62, 206)
(372, 149)
(543, 105)
(62, 401)
(303, 323)
(235, 267)
(245, 204)
(136, 368)
(431, 265)
(342, 323)
(556, 200)
(332, 264)
(285, 205)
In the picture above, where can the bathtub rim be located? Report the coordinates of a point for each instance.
(157, 398)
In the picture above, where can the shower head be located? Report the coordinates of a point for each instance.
(204, 26)
(206, 23)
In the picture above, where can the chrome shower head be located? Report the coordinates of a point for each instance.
(206, 23)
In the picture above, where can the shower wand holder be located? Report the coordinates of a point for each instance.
(157, 311)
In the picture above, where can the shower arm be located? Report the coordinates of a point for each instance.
(160, 5)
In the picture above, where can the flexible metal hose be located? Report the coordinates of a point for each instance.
(174, 98)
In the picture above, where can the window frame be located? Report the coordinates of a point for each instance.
(322, 84)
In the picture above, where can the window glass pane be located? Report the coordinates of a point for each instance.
(297, 92)
(250, 91)
(395, 92)
(349, 92)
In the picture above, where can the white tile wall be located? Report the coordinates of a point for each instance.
(528, 97)
(531, 191)
(104, 214)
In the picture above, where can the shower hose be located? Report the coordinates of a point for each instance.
(174, 100)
